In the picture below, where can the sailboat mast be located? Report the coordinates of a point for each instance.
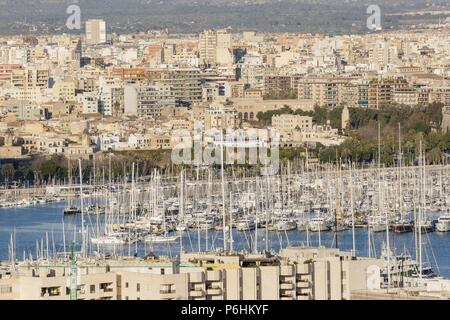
(400, 171)
(352, 211)
(224, 215)
(422, 206)
(83, 244)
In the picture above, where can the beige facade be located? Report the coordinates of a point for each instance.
(220, 116)
(215, 48)
(290, 122)
(64, 90)
(297, 273)
(323, 91)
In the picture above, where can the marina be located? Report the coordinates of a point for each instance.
(359, 210)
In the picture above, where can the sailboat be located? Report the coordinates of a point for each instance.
(165, 238)
(286, 224)
(401, 225)
(443, 223)
(117, 238)
(245, 224)
(71, 209)
(152, 238)
(318, 224)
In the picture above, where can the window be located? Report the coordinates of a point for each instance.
(138, 287)
(92, 288)
(5, 289)
(126, 284)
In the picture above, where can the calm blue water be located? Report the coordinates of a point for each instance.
(32, 223)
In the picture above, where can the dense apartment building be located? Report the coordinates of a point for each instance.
(7, 72)
(295, 274)
(321, 91)
(277, 85)
(382, 92)
(215, 48)
(147, 100)
(186, 84)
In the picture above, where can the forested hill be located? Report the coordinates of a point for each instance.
(186, 16)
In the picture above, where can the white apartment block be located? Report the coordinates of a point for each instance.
(89, 102)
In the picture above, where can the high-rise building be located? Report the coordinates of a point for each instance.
(215, 48)
(78, 54)
(146, 100)
(95, 31)
(207, 47)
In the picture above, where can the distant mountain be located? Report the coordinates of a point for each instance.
(306, 16)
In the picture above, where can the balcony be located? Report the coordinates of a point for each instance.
(286, 286)
(303, 284)
(287, 271)
(286, 296)
(167, 294)
(214, 291)
(196, 293)
(106, 287)
(50, 292)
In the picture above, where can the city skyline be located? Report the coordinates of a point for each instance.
(265, 151)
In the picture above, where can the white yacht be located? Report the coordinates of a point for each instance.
(161, 239)
(285, 224)
(108, 240)
(318, 224)
(206, 224)
(245, 225)
(443, 223)
(377, 224)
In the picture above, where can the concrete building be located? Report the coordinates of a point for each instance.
(290, 122)
(215, 48)
(218, 115)
(95, 31)
(146, 100)
(8, 150)
(185, 84)
(300, 273)
(326, 92)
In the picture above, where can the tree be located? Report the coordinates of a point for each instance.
(8, 171)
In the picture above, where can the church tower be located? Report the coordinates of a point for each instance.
(345, 118)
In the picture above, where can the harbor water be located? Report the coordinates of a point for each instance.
(32, 226)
